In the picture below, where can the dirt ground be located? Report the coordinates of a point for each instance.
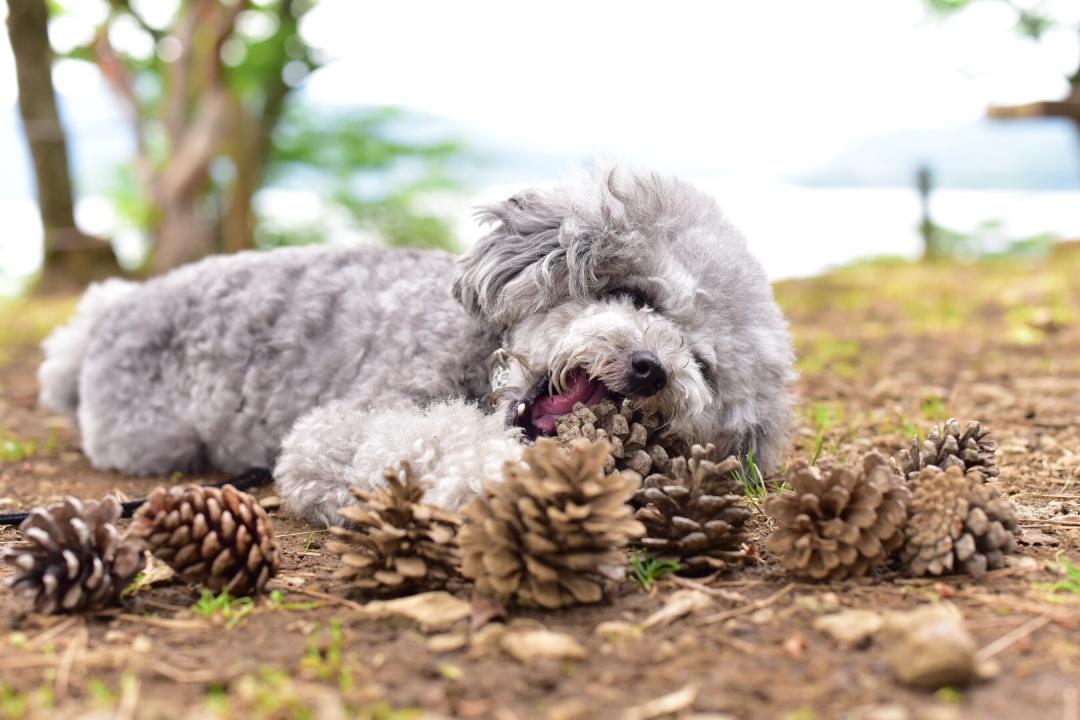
(885, 348)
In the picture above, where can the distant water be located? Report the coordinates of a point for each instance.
(795, 230)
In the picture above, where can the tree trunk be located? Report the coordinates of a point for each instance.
(71, 258)
(184, 234)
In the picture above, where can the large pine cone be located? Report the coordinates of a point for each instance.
(697, 512)
(218, 537)
(635, 443)
(549, 532)
(957, 523)
(396, 543)
(73, 557)
(969, 449)
(837, 522)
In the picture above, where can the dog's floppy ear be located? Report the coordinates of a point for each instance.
(502, 277)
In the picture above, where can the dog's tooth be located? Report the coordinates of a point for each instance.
(521, 409)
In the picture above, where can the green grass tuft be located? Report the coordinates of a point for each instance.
(647, 570)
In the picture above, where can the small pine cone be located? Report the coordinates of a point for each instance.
(838, 522)
(396, 543)
(969, 449)
(696, 513)
(218, 537)
(635, 444)
(549, 532)
(958, 523)
(73, 557)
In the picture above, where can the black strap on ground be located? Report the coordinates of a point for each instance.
(252, 478)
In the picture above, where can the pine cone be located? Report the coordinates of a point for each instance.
(696, 513)
(635, 445)
(219, 537)
(73, 557)
(838, 522)
(398, 544)
(550, 530)
(970, 449)
(957, 523)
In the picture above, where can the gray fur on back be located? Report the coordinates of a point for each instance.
(211, 365)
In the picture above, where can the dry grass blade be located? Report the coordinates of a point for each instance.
(746, 609)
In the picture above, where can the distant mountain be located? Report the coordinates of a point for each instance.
(1036, 154)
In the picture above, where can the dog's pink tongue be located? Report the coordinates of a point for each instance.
(548, 407)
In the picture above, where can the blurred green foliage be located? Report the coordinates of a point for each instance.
(1033, 20)
(335, 150)
(167, 68)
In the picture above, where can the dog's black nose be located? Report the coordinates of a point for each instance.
(646, 375)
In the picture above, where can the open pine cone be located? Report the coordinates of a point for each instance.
(838, 522)
(396, 543)
(969, 449)
(549, 532)
(635, 445)
(957, 523)
(219, 537)
(696, 513)
(73, 557)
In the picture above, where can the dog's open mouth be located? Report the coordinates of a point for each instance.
(536, 413)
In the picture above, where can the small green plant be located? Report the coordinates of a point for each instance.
(14, 450)
(1070, 578)
(328, 663)
(14, 705)
(753, 482)
(277, 602)
(950, 695)
(647, 569)
(933, 408)
(224, 607)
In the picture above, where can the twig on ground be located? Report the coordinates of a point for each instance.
(166, 623)
(1012, 637)
(193, 676)
(48, 634)
(721, 593)
(67, 662)
(746, 609)
(321, 595)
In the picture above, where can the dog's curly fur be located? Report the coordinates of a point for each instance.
(333, 362)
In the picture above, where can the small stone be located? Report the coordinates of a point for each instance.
(615, 631)
(850, 628)
(930, 647)
(448, 642)
(270, 503)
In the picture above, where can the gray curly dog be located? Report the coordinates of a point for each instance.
(330, 363)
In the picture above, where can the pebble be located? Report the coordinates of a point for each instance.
(850, 628)
(930, 647)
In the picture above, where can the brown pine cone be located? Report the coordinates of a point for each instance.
(972, 448)
(73, 558)
(696, 513)
(635, 444)
(218, 537)
(549, 532)
(396, 543)
(957, 523)
(838, 522)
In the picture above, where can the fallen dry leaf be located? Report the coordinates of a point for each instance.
(679, 604)
(428, 610)
(532, 645)
(665, 704)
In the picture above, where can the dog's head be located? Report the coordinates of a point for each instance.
(630, 284)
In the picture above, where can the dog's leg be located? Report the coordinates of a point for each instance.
(452, 446)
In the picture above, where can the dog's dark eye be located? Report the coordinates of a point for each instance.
(704, 367)
(635, 296)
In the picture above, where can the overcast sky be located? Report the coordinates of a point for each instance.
(764, 86)
(767, 86)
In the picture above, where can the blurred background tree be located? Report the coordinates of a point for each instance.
(71, 257)
(1033, 20)
(210, 90)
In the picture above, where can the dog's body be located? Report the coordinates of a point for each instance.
(334, 362)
